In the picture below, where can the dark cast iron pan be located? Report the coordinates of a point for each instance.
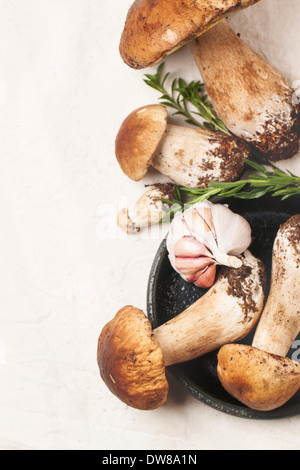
(169, 295)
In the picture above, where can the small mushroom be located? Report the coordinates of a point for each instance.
(250, 96)
(148, 210)
(261, 376)
(154, 30)
(189, 157)
(132, 358)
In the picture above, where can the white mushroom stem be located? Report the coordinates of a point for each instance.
(194, 157)
(226, 313)
(250, 96)
(280, 322)
(147, 211)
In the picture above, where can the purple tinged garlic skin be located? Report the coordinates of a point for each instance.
(204, 236)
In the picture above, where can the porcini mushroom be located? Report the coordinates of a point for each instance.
(188, 156)
(154, 30)
(261, 376)
(148, 210)
(250, 96)
(132, 358)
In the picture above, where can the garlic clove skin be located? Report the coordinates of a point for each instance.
(194, 262)
(199, 223)
(227, 222)
(193, 265)
(204, 236)
(200, 220)
(206, 278)
(189, 246)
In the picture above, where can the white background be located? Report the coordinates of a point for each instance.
(67, 92)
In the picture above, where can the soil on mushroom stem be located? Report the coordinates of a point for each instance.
(239, 285)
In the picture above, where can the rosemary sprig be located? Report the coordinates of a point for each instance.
(276, 183)
(181, 94)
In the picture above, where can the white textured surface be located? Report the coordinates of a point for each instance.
(67, 92)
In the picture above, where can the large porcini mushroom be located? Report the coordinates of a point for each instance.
(132, 358)
(188, 156)
(148, 210)
(261, 376)
(155, 29)
(250, 96)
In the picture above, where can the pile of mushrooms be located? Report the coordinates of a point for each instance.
(255, 103)
(133, 358)
(249, 95)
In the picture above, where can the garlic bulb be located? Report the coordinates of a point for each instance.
(204, 236)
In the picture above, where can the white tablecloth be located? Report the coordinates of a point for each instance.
(64, 92)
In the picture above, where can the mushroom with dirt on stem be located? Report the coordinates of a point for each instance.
(250, 96)
(188, 156)
(148, 210)
(132, 357)
(261, 376)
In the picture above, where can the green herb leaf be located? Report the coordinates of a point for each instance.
(277, 183)
(191, 101)
(183, 94)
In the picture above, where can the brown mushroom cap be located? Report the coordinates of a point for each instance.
(131, 361)
(138, 138)
(154, 29)
(260, 380)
